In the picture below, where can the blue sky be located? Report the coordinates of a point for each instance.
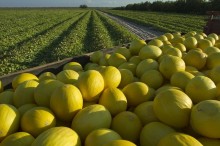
(64, 3)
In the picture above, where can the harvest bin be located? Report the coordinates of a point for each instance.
(54, 67)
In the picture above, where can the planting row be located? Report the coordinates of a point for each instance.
(47, 35)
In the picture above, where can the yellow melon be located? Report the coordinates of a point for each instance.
(126, 77)
(195, 59)
(173, 107)
(91, 118)
(123, 51)
(114, 100)
(180, 79)
(210, 50)
(18, 139)
(173, 51)
(153, 78)
(150, 51)
(95, 57)
(58, 136)
(24, 93)
(101, 136)
(116, 59)
(47, 75)
(190, 43)
(104, 59)
(178, 139)
(37, 120)
(73, 66)
(136, 45)
(204, 43)
(156, 42)
(201, 88)
(171, 64)
(205, 118)
(144, 65)
(21, 78)
(120, 143)
(43, 91)
(130, 66)
(135, 59)
(145, 112)
(91, 84)
(66, 101)
(68, 76)
(127, 125)
(153, 132)
(111, 76)
(213, 60)
(10, 118)
(136, 93)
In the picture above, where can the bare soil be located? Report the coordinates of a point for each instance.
(143, 32)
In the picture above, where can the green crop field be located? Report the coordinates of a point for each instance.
(168, 22)
(32, 37)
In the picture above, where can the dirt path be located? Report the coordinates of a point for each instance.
(142, 31)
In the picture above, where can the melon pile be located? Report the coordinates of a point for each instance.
(164, 92)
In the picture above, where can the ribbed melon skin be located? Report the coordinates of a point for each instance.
(58, 136)
(9, 120)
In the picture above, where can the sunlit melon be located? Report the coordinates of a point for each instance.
(73, 66)
(173, 108)
(150, 51)
(37, 120)
(91, 84)
(22, 78)
(66, 101)
(68, 76)
(111, 76)
(171, 64)
(136, 93)
(91, 118)
(9, 118)
(136, 45)
(114, 100)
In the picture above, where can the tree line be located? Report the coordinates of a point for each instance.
(179, 6)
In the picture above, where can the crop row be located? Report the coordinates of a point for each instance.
(27, 54)
(164, 21)
(51, 37)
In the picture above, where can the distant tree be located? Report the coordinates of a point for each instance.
(179, 6)
(83, 6)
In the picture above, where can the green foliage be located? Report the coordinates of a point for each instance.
(32, 37)
(167, 22)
